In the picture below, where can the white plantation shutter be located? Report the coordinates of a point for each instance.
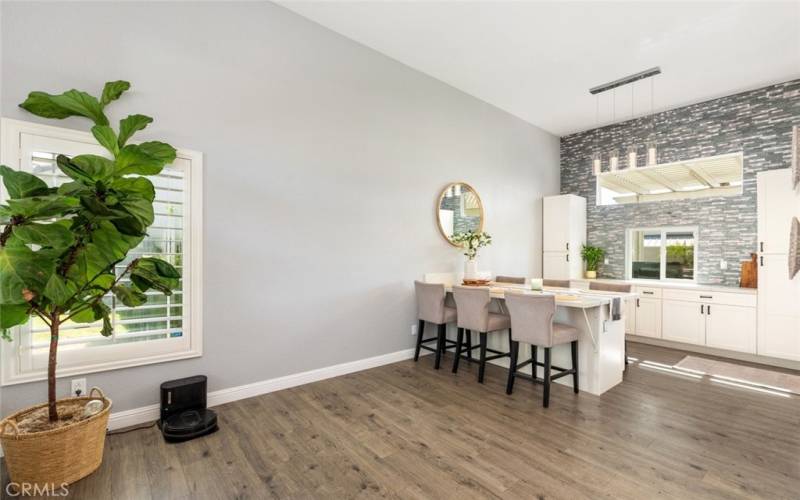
(162, 328)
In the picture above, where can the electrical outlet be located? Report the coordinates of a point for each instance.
(414, 329)
(79, 384)
(723, 264)
(605, 261)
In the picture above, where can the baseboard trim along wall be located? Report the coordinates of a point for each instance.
(144, 414)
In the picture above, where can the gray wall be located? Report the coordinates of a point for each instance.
(758, 122)
(324, 161)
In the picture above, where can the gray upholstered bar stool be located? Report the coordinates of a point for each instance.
(472, 304)
(431, 308)
(532, 323)
(613, 287)
(556, 283)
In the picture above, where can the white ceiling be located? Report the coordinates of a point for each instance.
(537, 60)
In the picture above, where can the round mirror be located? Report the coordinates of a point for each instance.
(459, 210)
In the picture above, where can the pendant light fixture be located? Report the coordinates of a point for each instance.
(613, 155)
(651, 141)
(632, 150)
(597, 156)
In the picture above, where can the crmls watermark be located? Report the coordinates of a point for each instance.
(37, 490)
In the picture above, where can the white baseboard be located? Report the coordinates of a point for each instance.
(149, 413)
(723, 353)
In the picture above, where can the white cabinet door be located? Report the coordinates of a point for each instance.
(648, 317)
(684, 322)
(777, 204)
(630, 316)
(555, 223)
(778, 304)
(731, 327)
(555, 266)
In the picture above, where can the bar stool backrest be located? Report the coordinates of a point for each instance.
(556, 283)
(610, 287)
(531, 318)
(430, 301)
(472, 303)
(510, 279)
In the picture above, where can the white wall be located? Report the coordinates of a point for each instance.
(323, 163)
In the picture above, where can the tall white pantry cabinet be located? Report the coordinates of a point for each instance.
(564, 228)
(778, 296)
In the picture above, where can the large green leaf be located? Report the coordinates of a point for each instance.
(102, 311)
(129, 296)
(42, 206)
(162, 267)
(92, 168)
(58, 290)
(136, 186)
(130, 125)
(74, 188)
(41, 104)
(147, 158)
(22, 184)
(112, 91)
(145, 276)
(140, 208)
(47, 235)
(22, 271)
(82, 104)
(107, 246)
(106, 137)
(13, 315)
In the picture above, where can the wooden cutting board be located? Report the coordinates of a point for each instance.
(749, 272)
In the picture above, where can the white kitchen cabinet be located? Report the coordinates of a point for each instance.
(778, 309)
(778, 296)
(731, 327)
(777, 204)
(564, 229)
(630, 316)
(684, 322)
(648, 317)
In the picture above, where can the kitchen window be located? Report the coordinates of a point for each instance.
(662, 253)
(165, 328)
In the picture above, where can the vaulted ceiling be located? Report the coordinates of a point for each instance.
(537, 60)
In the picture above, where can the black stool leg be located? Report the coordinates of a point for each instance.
(546, 402)
(482, 367)
(459, 339)
(626, 355)
(420, 331)
(575, 366)
(534, 356)
(469, 345)
(512, 368)
(439, 345)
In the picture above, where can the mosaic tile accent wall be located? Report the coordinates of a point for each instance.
(758, 123)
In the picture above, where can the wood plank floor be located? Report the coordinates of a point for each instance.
(407, 431)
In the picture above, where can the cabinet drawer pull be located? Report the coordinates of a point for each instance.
(637, 302)
(706, 296)
(701, 309)
(762, 246)
(762, 261)
(647, 293)
(708, 310)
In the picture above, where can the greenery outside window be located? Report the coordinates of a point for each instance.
(662, 253)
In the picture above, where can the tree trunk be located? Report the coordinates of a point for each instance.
(51, 372)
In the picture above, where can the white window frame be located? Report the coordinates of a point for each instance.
(629, 242)
(16, 366)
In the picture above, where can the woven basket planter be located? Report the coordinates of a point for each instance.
(59, 456)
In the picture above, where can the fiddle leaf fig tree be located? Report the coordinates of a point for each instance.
(60, 246)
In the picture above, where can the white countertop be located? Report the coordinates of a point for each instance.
(682, 286)
(565, 297)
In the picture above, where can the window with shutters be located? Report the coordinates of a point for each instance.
(165, 327)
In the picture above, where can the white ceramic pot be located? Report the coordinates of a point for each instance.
(471, 269)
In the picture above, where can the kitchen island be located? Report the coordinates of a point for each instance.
(601, 344)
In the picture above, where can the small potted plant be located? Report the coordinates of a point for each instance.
(471, 242)
(62, 250)
(592, 256)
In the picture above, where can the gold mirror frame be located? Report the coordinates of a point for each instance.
(439, 204)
